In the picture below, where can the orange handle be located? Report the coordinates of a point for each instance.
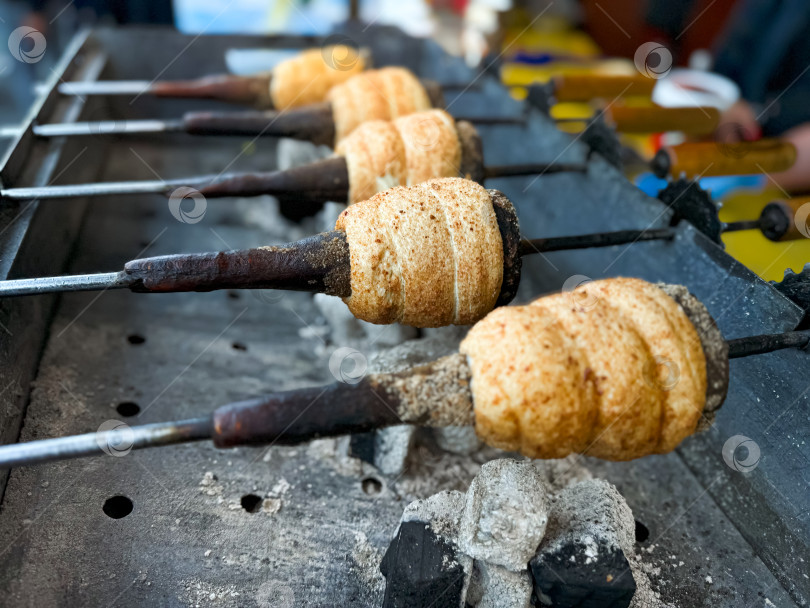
(787, 219)
(584, 87)
(655, 119)
(706, 159)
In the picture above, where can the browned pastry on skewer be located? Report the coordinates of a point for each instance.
(617, 369)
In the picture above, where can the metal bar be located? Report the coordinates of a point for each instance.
(78, 282)
(494, 171)
(109, 127)
(117, 441)
(767, 343)
(599, 239)
(102, 189)
(105, 87)
(741, 225)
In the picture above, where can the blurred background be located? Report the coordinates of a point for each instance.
(758, 53)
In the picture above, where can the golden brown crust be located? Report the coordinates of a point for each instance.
(432, 147)
(679, 364)
(383, 94)
(376, 159)
(410, 150)
(427, 255)
(582, 372)
(308, 77)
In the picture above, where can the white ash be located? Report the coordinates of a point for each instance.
(493, 586)
(645, 596)
(562, 472)
(591, 509)
(334, 452)
(391, 448)
(457, 439)
(389, 335)
(295, 152)
(416, 352)
(432, 470)
(442, 512)
(366, 559)
(506, 513)
(343, 325)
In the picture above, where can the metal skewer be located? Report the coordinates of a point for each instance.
(319, 264)
(336, 409)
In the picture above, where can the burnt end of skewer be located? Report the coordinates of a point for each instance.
(313, 123)
(252, 90)
(509, 228)
(316, 183)
(318, 263)
(435, 394)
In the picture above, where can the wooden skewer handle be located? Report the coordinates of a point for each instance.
(252, 90)
(706, 159)
(654, 119)
(311, 123)
(585, 87)
(786, 220)
(318, 263)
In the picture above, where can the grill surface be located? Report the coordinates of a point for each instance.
(748, 532)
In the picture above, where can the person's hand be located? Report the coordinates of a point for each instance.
(738, 123)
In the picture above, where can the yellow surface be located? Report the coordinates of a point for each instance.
(768, 259)
(580, 53)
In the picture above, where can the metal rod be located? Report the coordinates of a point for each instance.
(742, 225)
(79, 282)
(767, 343)
(116, 441)
(109, 127)
(494, 171)
(103, 188)
(599, 239)
(105, 87)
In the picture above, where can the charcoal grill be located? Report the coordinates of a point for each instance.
(719, 536)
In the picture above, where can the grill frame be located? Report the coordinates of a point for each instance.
(760, 515)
